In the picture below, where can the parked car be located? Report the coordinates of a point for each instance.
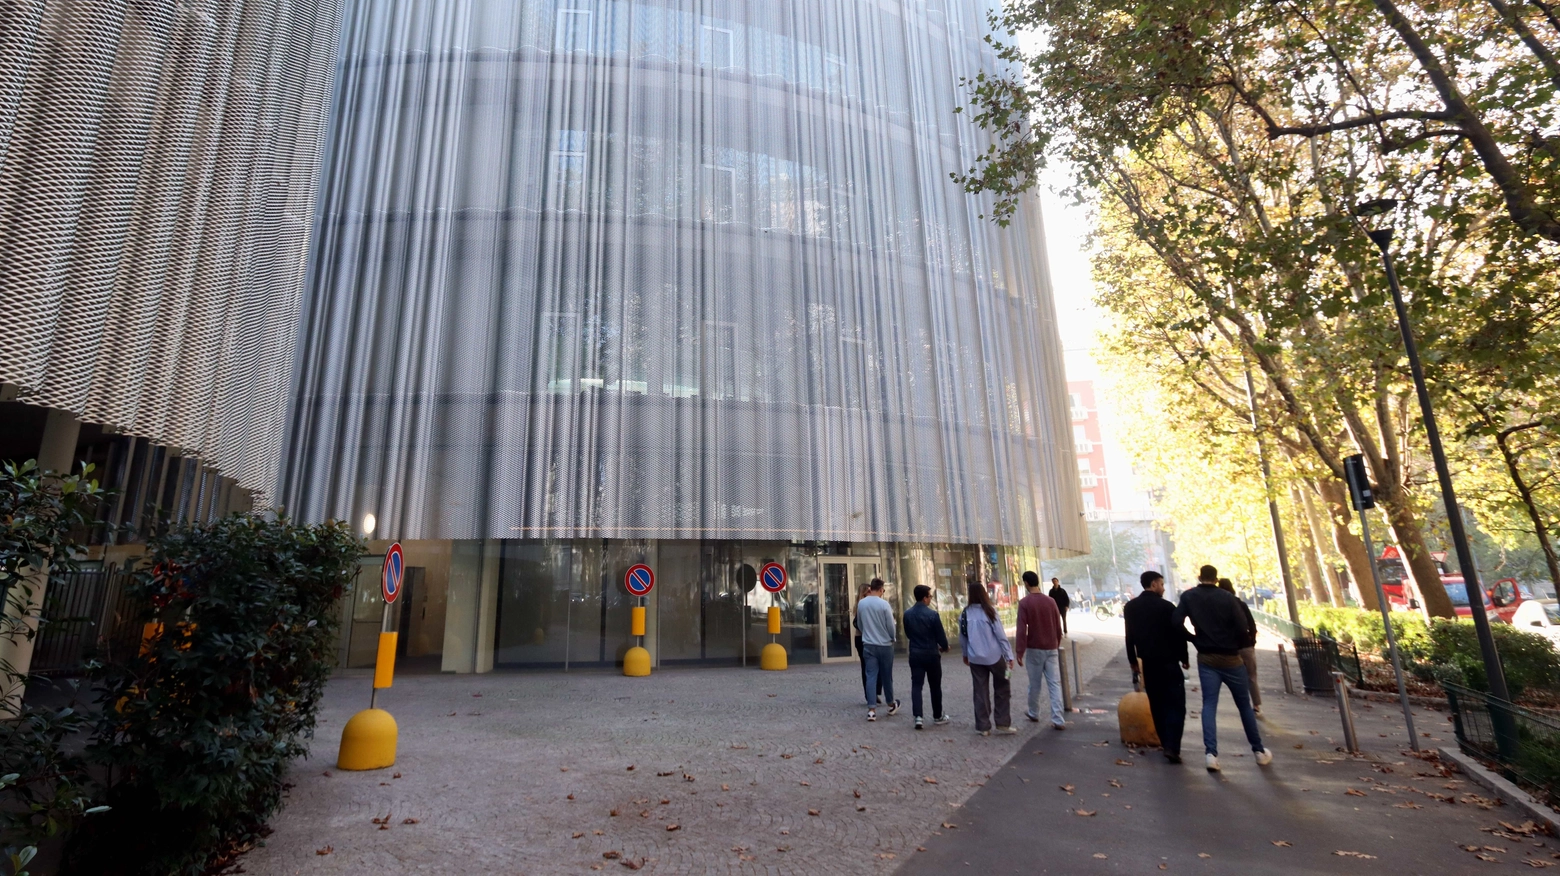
(1539, 616)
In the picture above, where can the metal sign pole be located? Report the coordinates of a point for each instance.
(1363, 500)
(384, 627)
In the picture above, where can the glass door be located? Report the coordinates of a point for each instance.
(844, 579)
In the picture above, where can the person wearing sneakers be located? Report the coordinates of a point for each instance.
(1039, 635)
(876, 618)
(990, 659)
(928, 642)
(1248, 651)
(1219, 628)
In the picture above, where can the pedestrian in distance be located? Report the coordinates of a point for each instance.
(990, 659)
(1062, 600)
(1248, 651)
(861, 645)
(876, 618)
(1219, 627)
(928, 642)
(1157, 645)
(1039, 636)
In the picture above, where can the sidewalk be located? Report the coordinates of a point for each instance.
(688, 771)
(1080, 802)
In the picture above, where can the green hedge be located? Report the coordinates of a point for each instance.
(1444, 648)
(197, 732)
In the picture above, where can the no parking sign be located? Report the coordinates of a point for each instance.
(391, 574)
(640, 580)
(772, 577)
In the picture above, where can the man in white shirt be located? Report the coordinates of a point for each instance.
(876, 618)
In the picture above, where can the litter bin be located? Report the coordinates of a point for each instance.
(1316, 664)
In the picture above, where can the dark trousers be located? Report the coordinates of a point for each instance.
(861, 655)
(988, 680)
(1166, 689)
(926, 666)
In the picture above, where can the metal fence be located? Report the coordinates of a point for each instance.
(1530, 753)
(1319, 655)
(85, 614)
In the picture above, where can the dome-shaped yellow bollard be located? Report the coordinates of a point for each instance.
(772, 657)
(1137, 722)
(368, 741)
(636, 662)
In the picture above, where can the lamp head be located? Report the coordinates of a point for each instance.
(1377, 207)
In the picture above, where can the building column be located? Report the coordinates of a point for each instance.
(56, 453)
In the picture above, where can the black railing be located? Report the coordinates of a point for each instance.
(85, 614)
(1318, 654)
(1529, 750)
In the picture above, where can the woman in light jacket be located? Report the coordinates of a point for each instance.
(990, 659)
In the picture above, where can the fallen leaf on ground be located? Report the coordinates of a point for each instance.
(1352, 792)
(1114, 784)
(812, 812)
(1492, 859)
(948, 825)
(672, 827)
(408, 821)
(577, 834)
(1100, 855)
(325, 851)
(1087, 813)
(1067, 788)
(725, 787)
(667, 773)
(787, 756)
(806, 784)
(1527, 828)
(857, 792)
(1120, 762)
(612, 856)
(1343, 854)
(1537, 862)
(929, 780)
(396, 776)
(887, 856)
(1407, 804)
(1164, 866)
(1203, 855)
(632, 865)
(613, 813)
(1283, 843)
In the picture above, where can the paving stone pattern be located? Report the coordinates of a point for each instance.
(709, 770)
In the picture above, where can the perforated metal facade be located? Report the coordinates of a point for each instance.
(158, 172)
(674, 269)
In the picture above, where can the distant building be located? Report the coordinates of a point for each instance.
(1089, 446)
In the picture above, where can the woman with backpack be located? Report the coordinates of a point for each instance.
(990, 659)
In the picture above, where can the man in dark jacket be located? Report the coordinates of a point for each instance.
(1062, 600)
(1221, 627)
(1158, 645)
(928, 641)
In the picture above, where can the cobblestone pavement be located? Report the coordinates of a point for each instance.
(687, 771)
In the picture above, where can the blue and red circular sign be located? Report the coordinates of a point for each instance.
(390, 576)
(772, 577)
(639, 580)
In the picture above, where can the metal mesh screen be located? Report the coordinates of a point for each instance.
(639, 269)
(158, 173)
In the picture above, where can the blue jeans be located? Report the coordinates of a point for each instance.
(880, 671)
(1211, 677)
(1049, 665)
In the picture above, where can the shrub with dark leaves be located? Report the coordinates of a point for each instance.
(197, 731)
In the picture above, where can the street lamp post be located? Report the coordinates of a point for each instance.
(1493, 673)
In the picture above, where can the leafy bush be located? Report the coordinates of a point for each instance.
(197, 731)
(44, 786)
(1444, 649)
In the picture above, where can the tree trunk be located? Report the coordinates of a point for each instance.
(1349, 545)
(1529, 503)
(1313, 570)
(1416, 556)
(1314, 524)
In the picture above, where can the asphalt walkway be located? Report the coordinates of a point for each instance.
(1079, 802)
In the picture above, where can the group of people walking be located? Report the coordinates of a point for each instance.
(1225, 636)
(1222, 630)
(987, 653)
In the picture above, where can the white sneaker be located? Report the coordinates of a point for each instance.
(1264, 757)
(1213, 763)
(894, 709)
(872, 714)
(943, 719)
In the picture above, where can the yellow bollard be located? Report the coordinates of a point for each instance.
(637, 624)
(774, 620)
(368, 741)
(636, 662)
(772, 657)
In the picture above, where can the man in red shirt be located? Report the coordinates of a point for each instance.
(1039, 634)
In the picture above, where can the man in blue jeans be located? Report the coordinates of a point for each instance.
(1220, 628)
(928, 642)
(876, 619)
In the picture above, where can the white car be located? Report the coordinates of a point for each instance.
(1540, 616)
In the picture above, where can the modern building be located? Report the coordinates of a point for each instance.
(158, 164)
(603, 282)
